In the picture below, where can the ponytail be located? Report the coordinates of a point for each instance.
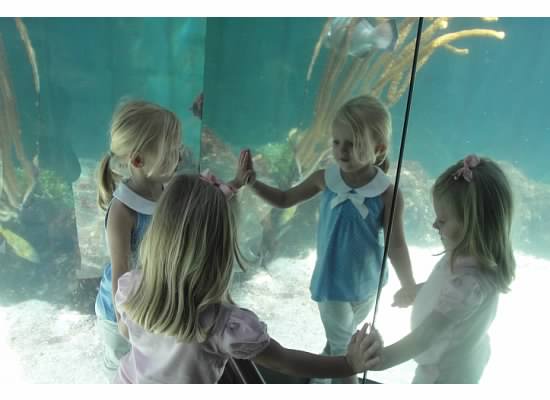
(105, 183)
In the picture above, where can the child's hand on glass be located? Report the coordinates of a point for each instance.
(245, 169)
(363, 350)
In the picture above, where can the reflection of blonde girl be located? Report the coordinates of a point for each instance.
(455, 307)
(144, 153)
(176, 309)
(355, 207)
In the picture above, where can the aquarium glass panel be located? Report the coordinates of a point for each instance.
(273, 85)
(481, 87)
(61, 79)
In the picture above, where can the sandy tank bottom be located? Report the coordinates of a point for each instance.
(42, 343)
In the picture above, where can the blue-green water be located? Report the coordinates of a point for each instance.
(252, 71)
(493, 101)
(87, 64)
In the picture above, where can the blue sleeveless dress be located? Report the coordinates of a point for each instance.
(144, 210)
(350, 242)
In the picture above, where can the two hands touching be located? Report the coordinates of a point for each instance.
(364, 350)
(245, 170)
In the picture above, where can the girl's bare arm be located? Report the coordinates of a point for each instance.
(120, 223)
(398, 251)
(415, 343)
(362, 354)
(289, 198)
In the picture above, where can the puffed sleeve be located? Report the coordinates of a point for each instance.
(126, 285)
(460, 297)
(244, 336)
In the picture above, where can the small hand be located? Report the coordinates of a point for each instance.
(405, 296)
(250, 177)
(247, 158)
(252, 173)
(245, 169)
(363, 350)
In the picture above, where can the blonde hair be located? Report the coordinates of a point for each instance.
(485, 208)
(137, 127)
(187, 256)
(366, 114)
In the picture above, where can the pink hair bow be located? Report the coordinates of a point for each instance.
(227, 190)
(465, 171)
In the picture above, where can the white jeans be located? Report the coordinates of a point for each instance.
(340, 320)
(115, 346)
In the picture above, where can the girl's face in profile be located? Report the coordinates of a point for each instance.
(447, 224)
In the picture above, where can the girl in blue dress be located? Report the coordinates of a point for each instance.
(144, 153)
(356, 198)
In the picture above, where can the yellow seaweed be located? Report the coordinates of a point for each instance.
(24, 34)
(13, 190)
(20, 246)
(382, 74)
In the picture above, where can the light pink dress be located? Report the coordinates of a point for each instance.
(155, 358)
(468, 297)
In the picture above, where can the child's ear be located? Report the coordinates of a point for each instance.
(137, 161)
(381, 148)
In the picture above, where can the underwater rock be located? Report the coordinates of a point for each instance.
(415, 185)
(57, 154)
(530, 231)
(89, 223)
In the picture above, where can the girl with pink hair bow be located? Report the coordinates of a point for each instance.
(454, 308)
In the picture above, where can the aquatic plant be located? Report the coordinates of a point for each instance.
(13, 191)
(31, 54)
(384, 74)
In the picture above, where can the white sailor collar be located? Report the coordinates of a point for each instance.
(377, 186)
(133, 200)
